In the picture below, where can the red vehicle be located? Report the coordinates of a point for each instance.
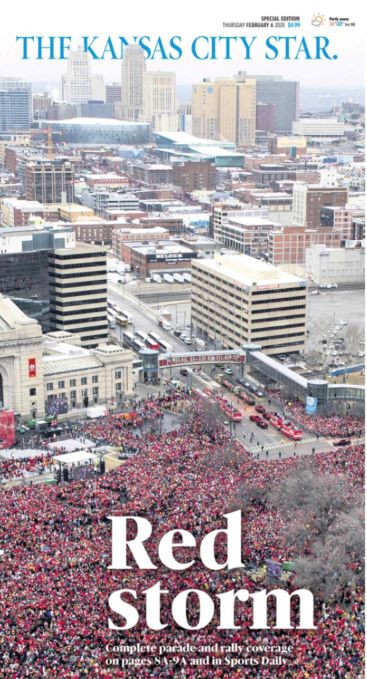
(262, 424)
(296, 435)
(248, 399)
(255, 418)
(277, 422)
(267, 415)
(260, 409)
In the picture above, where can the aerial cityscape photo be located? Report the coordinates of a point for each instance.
(182, 261)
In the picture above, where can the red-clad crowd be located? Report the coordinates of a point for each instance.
(24, 466)
(55, 582)
(325, 425)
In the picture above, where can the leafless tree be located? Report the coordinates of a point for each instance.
(353, 336)
(325, 531)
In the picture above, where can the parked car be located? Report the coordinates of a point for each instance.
(262, 424)
(229, 371)
(260, 409)
(342, 442)
(184, 372)
(255, 418)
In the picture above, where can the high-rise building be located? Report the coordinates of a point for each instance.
(98, 88)
(78, 292)
(16, 111)
(132, 83)
(225, 109)
(238, 299)
(265, 117)
(77, 82)
(113, 93)
(160, 98)
(50, 181)
(185, 118)
(309, 199)
(284, 94)
(41, 105)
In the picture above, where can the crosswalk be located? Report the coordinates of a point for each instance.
(281, 444)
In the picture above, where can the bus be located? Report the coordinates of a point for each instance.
(141, 335)
(138, 345)
(127, 340)
(152, 344)
(165, 347)
(111, 319)
(154, 336)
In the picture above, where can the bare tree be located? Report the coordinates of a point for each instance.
(325, 531)
(203, 418)
(353, 336)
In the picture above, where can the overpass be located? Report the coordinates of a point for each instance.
(196, 358)
(318, 390)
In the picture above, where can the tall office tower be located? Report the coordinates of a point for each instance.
(265, 117)
(132, 83)
(113, 93)
(225, 109)
(41, 105)
(16, 110)
(50, 181)
(98, 88)
(78, 292)
(77, 82)
(237, 299)
(160, 98)
(284, 94)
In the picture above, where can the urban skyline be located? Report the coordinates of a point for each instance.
(348, 43)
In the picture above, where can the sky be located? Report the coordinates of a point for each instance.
(166, 18)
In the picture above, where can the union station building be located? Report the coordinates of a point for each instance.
(49, 374)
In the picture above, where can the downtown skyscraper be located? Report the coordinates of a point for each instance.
(225, 109)
(77, 82)
(16, 111)
(132, 83)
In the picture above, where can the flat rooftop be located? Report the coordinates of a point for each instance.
(155, 248)
(247, 271)
(95, 122)
(249, 221)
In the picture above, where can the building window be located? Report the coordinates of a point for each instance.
(61, 384)
(95, 379)
(84, 393)
(84, 380)
(32, 391)
(73, 395)
(117, 375)
(118, 388)
(73, 383)
(49, 386)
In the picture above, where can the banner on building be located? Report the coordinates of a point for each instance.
(32, 369)
(311, 405)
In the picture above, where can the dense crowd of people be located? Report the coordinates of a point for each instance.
(22, 467)
(55, 581)
(325, 425)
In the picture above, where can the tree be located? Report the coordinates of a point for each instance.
(203, 418)
(325, 531)
(353, 336)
